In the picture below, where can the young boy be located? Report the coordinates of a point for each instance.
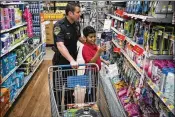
(91, 52)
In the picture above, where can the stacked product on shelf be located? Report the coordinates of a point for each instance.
(12, 38)
(48, 7)
(5, 103)
(49, 33)
(54, 11)
(35, 9)
(60, 7)
(10, 16)
(143, 31)
(145, 103)
(161, 73)
(17, 48)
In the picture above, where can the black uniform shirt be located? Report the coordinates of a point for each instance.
(68, 33)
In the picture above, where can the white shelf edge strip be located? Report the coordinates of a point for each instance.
(127, 38)
(160, 94)
(119, 101)
(11, 72)
(26, 81)
(36, 58)
(129, 59)
(6, 30)
(13, 3)
(116, 17)
(15, 46)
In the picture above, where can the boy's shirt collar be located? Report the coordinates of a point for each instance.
(94, 47)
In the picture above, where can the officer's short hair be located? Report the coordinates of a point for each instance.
(71, 7)
(88, 30)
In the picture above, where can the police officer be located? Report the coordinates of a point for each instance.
(66, 35)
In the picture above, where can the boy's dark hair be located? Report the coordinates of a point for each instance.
(71, 7)
(88, 30)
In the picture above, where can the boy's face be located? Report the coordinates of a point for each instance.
(91, 38)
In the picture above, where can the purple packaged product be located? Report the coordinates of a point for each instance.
(13, 16)
(4, 43)
(2, 26)
(6, 18)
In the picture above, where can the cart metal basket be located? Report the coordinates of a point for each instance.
(74, 92)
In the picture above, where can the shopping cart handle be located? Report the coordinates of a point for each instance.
(87, 64)
(68, 65)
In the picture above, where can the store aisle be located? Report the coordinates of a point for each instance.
(35, 100)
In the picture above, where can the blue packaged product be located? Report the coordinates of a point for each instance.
(5, 66)
(19, 79)
(12, 61)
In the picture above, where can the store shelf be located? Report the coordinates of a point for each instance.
(36, 24)
(7, 30)
(160, 57)
(149, 18)
(13, 3)
(116, 17)
(27, 78)
(12, 71)
(129, 59)
(160, 95)
(35, 13)
(127, 38)
(15, 46)
(120, 104)
(36, 58)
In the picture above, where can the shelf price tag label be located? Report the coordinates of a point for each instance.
(121, 37)
(164, 100)
(170, 107)
(159, 93)
(119, 12)
(117, 50)
(138, 50)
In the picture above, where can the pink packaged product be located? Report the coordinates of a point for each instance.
(128, 106)
(146, 65)
(28, 17)
(133, 111)
(122, 92)
(125, 100)
(6, 18)
(2, 26)
(11, 17)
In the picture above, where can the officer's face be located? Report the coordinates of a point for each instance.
(91, 38)
(76, 14)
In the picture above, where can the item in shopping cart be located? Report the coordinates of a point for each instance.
(86, 112)
(81, 80)
(79, 93)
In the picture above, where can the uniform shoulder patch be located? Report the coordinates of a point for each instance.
(57, 30)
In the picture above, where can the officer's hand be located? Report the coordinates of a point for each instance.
(74, 64)
(82, 39)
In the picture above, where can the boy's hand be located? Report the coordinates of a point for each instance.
(107, 63)
(102, 49)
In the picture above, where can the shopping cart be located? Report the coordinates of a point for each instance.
(73, 95)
